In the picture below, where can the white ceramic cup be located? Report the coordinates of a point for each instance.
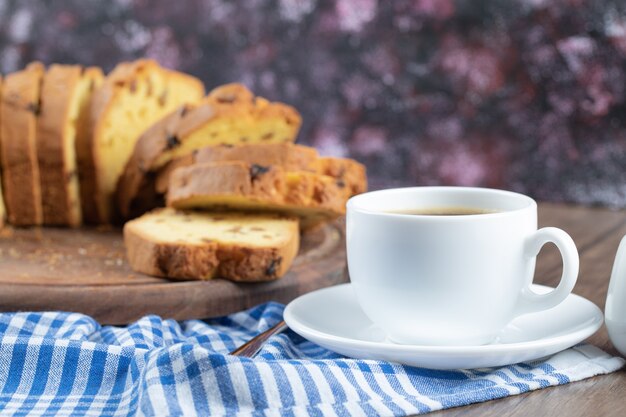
(449, 279)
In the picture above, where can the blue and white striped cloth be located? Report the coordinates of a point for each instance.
(61, 364)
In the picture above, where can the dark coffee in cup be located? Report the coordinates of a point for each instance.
(443, 211)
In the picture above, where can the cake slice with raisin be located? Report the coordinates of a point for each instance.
(201, 246)
(237, 185)
(291, 157)
(65, 96)
(229, 115)
(19, 109)
(132, 98)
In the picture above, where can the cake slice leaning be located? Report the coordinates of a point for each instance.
(236, 185)
(19, 109)
(65, 92)
(133, 97)
(192, 245)
(229, 115)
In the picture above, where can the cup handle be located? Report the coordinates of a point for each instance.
(530, 301)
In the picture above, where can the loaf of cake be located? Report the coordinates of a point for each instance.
(237, 185)
(192, 245)
(19, 108)
(230, 114)
(65, 92)
(132, 98)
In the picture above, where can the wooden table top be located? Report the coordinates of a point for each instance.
(597, 233)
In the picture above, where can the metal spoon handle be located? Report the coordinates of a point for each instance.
(252, 347)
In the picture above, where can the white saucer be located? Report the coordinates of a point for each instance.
(332, 318)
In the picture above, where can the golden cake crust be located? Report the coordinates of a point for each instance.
(179, 258)
(20, 108)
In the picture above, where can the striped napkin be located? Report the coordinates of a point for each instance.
(61, 364)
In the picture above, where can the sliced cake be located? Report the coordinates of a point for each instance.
(192, 245)
(93, 78)
(132, 98)
(348, 172)
(19, 109)
(312, 197)
(230, 114)
(65, 92)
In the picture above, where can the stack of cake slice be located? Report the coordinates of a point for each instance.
(234, 151)
(254, 182)
(241, 246)
(230, 155)
(282, 178)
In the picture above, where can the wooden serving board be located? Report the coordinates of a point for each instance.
(86, 271)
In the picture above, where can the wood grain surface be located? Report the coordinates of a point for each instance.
(86, 271)
(597, 233)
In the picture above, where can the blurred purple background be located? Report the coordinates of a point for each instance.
(521, 94)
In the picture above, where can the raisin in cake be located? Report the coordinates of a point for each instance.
(19, 108)
(132, 98)
(192, 245)
(230, 114)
